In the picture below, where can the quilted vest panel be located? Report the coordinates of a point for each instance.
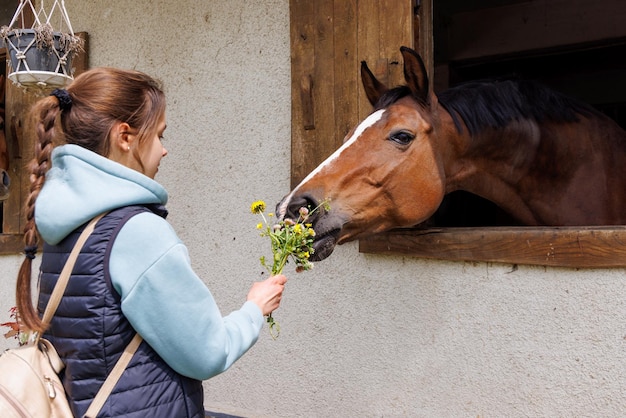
(90, 332)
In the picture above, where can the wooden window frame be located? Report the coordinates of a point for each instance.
(572, 247)
(578, 247)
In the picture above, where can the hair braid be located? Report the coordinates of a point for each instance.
(46, 112)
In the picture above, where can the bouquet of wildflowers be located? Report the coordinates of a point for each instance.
(290, 240)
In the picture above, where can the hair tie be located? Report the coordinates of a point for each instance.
(64, 98)
(30, 251)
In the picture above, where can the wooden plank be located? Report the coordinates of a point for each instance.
(383, 27)
(533, 25)
(323, 84)
(396, 30)
(345, 68)
(11, 244)
(19, 140)
(302, 35)
(312, 88)
(583, 247)
(424, 35)
(368, 49)
(80, 62)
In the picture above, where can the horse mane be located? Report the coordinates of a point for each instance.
(393, 95)
(495, 103)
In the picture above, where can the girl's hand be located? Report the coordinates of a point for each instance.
(268, 293)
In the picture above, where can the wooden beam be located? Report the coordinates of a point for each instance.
(585, 247)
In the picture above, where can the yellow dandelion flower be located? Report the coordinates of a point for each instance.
(257, 207)
(259, 225)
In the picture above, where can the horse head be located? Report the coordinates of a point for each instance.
(387, 174)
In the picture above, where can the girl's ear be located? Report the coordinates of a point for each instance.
(121, 137)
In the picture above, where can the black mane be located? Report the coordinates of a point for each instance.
(393, 95)
(495, 103)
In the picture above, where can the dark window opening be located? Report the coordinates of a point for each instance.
(595, 74)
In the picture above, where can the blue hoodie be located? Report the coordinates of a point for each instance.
(162, 297)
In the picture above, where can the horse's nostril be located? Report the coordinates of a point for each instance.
(305, 201)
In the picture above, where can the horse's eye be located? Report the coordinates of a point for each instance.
(402, 137)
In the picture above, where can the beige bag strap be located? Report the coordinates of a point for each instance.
(111, 380)
(64, 278)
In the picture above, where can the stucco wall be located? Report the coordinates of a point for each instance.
(362, 335)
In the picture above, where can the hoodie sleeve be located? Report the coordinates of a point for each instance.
(170, 306)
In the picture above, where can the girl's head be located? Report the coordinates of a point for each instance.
(106, 105)
(119, 114)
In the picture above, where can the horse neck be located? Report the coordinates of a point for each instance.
(548, 174)
(492, 165)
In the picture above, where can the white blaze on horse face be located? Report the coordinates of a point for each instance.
(369, 121)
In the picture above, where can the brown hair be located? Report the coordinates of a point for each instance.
(98, 99)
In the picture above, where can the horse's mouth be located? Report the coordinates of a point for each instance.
(324, 245)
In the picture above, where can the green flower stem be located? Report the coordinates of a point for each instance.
(274, 327)
(277, 268)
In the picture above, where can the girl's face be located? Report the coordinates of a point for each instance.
(152, 150)
(145, 157)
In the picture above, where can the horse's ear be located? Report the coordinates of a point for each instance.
(373, 88)
(415, 73)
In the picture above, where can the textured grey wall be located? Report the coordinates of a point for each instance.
(362, 335)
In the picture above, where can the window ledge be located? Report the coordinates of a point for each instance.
(11, 244)
(579, 247)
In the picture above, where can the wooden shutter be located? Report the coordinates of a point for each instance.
(329, 39)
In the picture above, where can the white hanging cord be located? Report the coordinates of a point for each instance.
(20, 13)
(41, 15)
(62, 11)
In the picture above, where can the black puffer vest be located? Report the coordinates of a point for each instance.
(90, 332)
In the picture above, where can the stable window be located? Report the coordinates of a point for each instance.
(471, 40)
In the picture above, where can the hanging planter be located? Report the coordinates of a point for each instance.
(41, 56)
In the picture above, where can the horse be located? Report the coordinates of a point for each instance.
(544, 158)
(5, 180)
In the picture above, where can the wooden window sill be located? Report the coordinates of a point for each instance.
(579, 247)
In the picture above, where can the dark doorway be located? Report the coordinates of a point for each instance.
(594, 72)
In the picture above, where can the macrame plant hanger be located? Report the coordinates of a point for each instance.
(40, 55)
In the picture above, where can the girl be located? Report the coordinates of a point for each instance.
(133, 274)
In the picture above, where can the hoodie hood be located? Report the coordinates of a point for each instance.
(82, 184)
